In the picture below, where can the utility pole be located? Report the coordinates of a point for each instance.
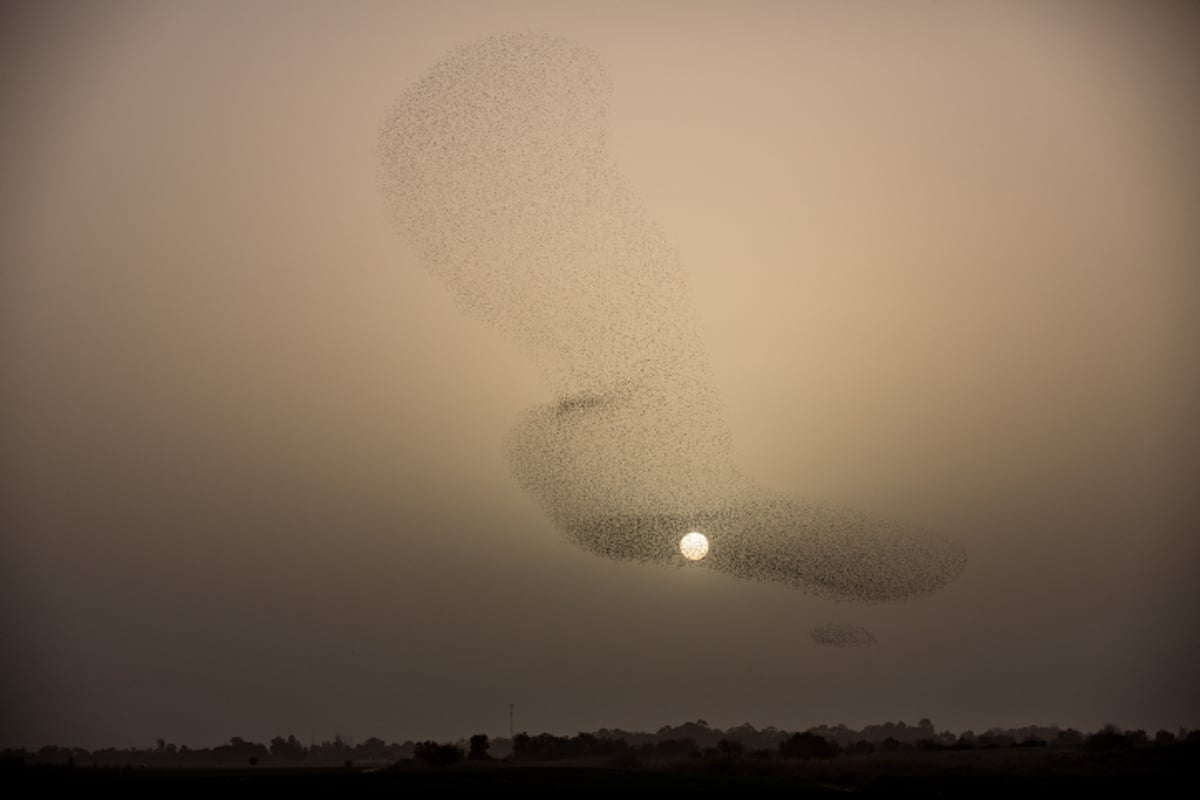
(510, 719)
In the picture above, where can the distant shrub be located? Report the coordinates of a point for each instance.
(717, 762)
(1108, 738)
(807, 745)
(437, 755)
(685, 748)
(548, 747)
(729, 747)
(1164, 739)
(1070, 739)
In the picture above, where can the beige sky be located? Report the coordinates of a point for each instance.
(942, 256)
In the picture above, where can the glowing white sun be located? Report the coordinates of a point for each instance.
(694, 546)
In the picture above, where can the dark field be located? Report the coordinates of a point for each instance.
(991, 772)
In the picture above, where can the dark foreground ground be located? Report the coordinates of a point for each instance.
(1138, 772)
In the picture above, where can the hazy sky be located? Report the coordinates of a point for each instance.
(942, 256)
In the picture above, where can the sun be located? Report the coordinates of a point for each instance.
(694, 546)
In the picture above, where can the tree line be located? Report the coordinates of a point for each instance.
(689, 740)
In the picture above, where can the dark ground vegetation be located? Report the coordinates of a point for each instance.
(888, 758)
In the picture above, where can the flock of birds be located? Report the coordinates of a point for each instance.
(497, 171)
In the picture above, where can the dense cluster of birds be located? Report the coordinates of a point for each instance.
(842, 634)
(497, 171)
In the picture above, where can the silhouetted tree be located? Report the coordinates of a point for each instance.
(729, 747)
(1108, 738)
(373, 748)
(1164, 738)
(806, 745)
(238, 751)
(698, 730)
(479, 747)
(995, 738)
(289, 749)
(437, 755)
